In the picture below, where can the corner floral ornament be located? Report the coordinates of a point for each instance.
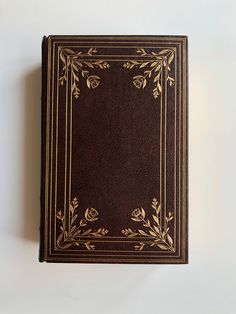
(75, 234)
(156, 66)
(79, 65)
(154, 232)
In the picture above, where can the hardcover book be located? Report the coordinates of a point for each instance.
(114, 149)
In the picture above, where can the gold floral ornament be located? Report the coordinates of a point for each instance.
(154, 232)
(80, 64)
(154, 67)
(74, 233)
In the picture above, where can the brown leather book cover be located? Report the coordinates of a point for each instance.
(114, 149)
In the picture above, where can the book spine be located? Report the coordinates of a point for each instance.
(43, 144)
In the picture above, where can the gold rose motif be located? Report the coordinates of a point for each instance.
(139, 81)
(93, 81)
(138, 214)
(91, 214)
(154, 232)
(74, 234)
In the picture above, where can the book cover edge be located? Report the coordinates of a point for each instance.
(44, 50)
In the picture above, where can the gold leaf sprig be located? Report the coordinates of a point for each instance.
(72, 236)
(80, 63)
(154, 232)
(155, 65)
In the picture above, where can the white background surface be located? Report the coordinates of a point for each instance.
(208, 284)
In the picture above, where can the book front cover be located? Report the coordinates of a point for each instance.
(114, 149)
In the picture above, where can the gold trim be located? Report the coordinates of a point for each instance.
(160, 131)
(176, 39)
(47, 149)
(71, 140)
(180, 126)
(185, 142)
(56, 157)
(107, 259)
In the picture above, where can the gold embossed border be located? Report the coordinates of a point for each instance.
(158, 63)
(163, 131)
(182, 137)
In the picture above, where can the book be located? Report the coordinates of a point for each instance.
(114, 149)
